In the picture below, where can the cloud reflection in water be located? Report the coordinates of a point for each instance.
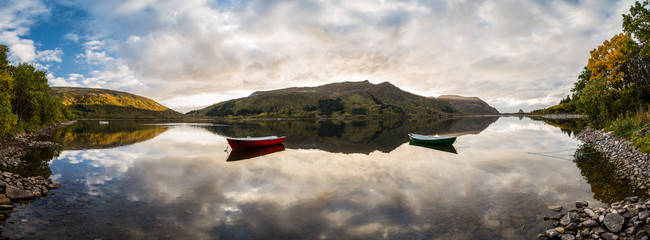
(491, 188)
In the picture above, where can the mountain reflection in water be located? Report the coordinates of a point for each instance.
(348, 136)
(91, 134)
(178, 185)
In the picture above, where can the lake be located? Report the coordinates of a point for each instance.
(330, 180)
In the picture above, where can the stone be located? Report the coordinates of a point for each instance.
(551, 233)
(590, 223)
(567, 237)
(565, 220)
(644, 215)
(614, 222)
(572, 226)
(581, 204)
(6, 207)
(591, 213)
(555, 208)
(609, 236)
(560, 229)
(14, 193)
(4, 199)
(557, 217)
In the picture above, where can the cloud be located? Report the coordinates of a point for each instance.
(491, 49)
(15, 19)
(182, 176)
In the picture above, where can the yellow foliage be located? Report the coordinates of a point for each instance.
(609, 60)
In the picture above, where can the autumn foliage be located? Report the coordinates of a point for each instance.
(610, 60)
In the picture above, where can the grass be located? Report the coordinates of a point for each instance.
(634, 124)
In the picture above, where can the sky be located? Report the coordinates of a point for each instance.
(188, 54)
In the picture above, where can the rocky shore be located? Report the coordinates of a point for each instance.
(13, 149)
(628, 219)
(630, 162)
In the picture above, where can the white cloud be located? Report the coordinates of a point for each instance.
(72, 37)
(49, 55)
(505, 49)
(16, 17)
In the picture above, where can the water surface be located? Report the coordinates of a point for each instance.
(332, 180)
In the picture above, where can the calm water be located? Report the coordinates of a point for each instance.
(332, 180)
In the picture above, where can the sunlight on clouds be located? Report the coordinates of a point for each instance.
(167, 49)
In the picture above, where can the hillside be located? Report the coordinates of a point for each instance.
(335, 99)
(103, 103)
(469, 105)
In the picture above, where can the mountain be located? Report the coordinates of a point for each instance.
(469, 105)
(334, 100)
(103, 103)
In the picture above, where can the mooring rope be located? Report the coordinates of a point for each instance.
(609, 148)
(602, 141)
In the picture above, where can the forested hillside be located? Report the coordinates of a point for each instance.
(331, 100)
(103, 103)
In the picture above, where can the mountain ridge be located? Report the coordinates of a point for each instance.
(470, 105)
(340, 99)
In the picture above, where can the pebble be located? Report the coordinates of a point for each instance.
(555, 208)
(581, 223)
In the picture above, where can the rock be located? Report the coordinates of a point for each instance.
(609, 236)
(555, 208)
(567, 237)
(14, 193)
(591, 213)
(581, 204)
(4, 199)
(560, 229)
(590, 223)
(572, 226)
(6, 207)
(614, 222)
(565, 220)
(557, 217)
(551, 233)
(644, 215)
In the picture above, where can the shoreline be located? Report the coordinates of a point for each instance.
(627, 219)
(13, 187)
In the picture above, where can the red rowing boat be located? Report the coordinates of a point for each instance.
(254, 142)
(247, 153)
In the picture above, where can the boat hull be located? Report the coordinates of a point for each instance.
(248, 153)
(440, 147)
(238, 143)
(415, 138)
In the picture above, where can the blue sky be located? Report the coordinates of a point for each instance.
(187, 54)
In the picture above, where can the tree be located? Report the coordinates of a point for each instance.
(31, 99)
(7, 117)
(603, 103)
(610, 61)
(637, 24)
(583, 79)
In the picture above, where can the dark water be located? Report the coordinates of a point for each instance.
(331, 180)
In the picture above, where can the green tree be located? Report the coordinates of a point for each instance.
(637, 24)
(31, 99)
(7, 117)
(603, 103)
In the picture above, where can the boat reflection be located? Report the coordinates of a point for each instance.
(440, 147)
(248, 153)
